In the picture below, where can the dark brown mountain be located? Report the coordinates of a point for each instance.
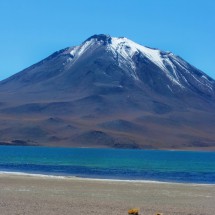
(109, 92)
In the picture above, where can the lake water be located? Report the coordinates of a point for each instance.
(153, 165)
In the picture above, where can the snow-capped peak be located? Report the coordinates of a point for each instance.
(124, 51)
(122, 48)
(119, 46)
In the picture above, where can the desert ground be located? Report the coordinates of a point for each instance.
(33, 195)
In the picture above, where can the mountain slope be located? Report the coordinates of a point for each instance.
(109, 92)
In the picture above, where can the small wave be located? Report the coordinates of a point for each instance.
(98, 179)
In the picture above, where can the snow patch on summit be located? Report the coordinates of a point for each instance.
(78, 51)
(126, 49)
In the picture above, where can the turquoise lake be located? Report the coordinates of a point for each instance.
(154, 165)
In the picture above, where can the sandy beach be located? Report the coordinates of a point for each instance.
(33, 195)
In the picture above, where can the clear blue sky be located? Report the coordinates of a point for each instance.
(30, 30)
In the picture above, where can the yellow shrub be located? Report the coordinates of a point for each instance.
(134, 211)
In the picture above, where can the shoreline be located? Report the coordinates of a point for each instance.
(7, 173)
(24, 194)
(192, 149)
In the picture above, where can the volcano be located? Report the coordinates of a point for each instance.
(109, 92)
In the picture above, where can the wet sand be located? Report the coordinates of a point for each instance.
(32, 195)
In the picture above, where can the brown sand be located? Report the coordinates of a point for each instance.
(30, 195)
